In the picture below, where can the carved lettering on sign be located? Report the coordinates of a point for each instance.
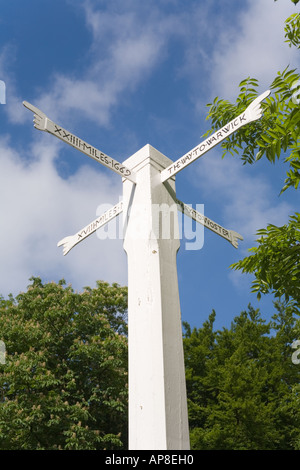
(198, 217)
(89, 150)
(43, 123)
(204, 147)
(251, 113)
(100, 221)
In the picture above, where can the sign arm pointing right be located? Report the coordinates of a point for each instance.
(252, 113)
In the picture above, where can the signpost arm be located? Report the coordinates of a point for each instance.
(69, 242)
(158, 418)
(43, 123)
(252, 113)
(229, 235)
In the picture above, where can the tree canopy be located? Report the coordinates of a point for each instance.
(242, 385)
(63, 384)
(64, 381)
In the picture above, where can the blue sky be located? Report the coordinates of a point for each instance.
(120, 75)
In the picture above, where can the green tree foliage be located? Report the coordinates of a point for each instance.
(64, 381)
(275, 261)
(242, 386)
(276, 247)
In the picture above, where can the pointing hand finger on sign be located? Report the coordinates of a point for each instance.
(254, 110)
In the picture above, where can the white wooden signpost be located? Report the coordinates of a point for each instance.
(158, 418)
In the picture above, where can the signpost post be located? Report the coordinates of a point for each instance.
(158, 417)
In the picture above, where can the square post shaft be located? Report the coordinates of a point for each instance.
(158, 418)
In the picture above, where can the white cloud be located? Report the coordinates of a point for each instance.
(252, 46)
(38, 208)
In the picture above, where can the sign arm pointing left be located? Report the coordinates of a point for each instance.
(69, 242)
(43, 123)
